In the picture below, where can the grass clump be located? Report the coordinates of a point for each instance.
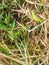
(24, 32)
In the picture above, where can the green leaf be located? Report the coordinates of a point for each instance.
(10, 33)
(19, 1)
(36, 18)
(3, 50)
(5, 6)
(7, 19)
(0, 5)
(1, 17)
(3, 27)
(18, 33)
(12, 25)
(11, 47)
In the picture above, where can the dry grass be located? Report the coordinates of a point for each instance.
(24, 37)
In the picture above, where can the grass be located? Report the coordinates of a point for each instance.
(24, 32)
